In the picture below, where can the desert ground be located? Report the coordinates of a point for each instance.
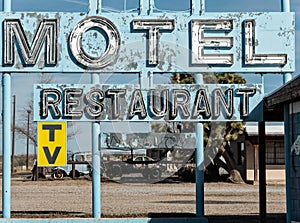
(73, 198)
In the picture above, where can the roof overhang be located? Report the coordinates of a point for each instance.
(274, 103)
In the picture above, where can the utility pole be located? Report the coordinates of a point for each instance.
(13, 134)
(27, 147)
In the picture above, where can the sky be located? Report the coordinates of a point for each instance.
(25, 81)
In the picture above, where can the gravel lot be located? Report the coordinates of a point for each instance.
(73, 198)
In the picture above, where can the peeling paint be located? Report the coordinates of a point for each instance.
(222, 102)
(278, 28)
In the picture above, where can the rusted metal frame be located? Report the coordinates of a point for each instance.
(74, 163)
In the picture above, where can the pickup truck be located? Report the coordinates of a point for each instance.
(82, 162)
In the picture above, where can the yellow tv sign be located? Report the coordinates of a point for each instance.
(52, 144)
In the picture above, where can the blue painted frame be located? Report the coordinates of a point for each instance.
(146, 10)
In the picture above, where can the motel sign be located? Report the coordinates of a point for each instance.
(173, 42)
(145, 42)
(117, 43)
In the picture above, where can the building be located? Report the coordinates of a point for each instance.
(275, 155)
(284, 105)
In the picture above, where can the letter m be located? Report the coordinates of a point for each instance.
(14, 32)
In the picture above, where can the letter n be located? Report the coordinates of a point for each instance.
(46, 33)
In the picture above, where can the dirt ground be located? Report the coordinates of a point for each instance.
(73, 198)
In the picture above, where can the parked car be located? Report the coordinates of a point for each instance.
(60, 172)
(145, 165)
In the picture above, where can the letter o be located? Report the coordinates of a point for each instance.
(112, 50)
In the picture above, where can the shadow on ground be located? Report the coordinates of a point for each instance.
(271, 218)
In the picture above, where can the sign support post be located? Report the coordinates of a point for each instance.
(96, 184)
(199, 7)
(199, 162)
(6, 170)
(95, 8)
(262, 171)
(286, 7)
(6, 135)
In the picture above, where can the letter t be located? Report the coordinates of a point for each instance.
(153, 27)
(51, 129)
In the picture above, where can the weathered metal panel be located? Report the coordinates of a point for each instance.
(92, 102)
(178, 34)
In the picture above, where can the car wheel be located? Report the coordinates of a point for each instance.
(76, 175)
(58, 174)
(146, 174)
(155, 173)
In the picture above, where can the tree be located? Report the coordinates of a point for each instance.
(21, 127)
(217, 136)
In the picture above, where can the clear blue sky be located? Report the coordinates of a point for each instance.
(25, 82)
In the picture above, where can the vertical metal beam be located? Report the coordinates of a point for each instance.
(13, 135)
(199, 162)
(262, 171)
(285, 6)
(287, 77)
(255, 164)
(197, 7)
(262, 167)
(6, 5)
(6, 137)
(94, 7)
(27, 139)
(287, 145)
(151, 6)
(202, 7)
(144, 7)
(6, 146)
(96, 177)
(99, 7)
